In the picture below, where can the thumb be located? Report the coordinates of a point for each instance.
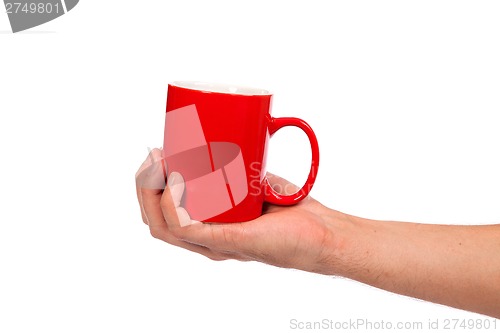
(176, 187)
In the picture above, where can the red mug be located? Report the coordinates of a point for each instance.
(216, 137)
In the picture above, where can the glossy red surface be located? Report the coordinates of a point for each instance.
(246, 121)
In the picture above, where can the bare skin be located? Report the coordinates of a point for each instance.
(454, 265)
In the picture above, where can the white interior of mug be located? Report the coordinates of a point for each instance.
(220, 88)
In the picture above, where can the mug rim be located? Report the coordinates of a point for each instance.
(221, 88)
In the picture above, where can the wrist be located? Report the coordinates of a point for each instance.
(346, 250)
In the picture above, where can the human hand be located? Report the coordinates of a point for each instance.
(453, 265)
(299, 236)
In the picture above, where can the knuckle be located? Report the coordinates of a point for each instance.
(229, 237)
(176, 232)
(164, 205)
(155, 232)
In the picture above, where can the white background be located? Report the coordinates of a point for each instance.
(403, 96)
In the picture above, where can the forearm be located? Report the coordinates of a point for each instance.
(457, 266)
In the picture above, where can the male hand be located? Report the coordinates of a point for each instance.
(298, 236)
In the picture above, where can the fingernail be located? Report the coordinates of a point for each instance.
(153, 156)
(173, 178)
(183, 217)
(175, 183)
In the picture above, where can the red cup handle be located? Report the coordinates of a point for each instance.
(271, 195)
